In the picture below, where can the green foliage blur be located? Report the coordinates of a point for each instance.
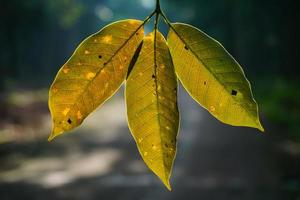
(38, 36)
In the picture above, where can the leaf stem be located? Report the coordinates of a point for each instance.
(156, 21)
(166, 19)
(158, 12)
(149, 17)
(158, 9)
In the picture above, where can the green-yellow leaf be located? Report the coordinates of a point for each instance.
(212, 77)
(151, 98)
(94, 72)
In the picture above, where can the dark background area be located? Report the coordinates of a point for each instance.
(100, 160)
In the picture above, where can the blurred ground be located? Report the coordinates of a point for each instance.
(100, 159)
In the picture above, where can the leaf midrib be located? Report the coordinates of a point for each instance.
(157, 104)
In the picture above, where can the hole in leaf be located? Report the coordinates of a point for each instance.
(153, 76)
(69, 121)
(205, 83)
(186, 48)
(99, 56)
(234, 92)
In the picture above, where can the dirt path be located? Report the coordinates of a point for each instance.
(100, 161)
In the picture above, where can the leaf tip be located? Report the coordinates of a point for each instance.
(167, 184)
(259, 126)
(51, 137)
(55, 132)
(165, 179)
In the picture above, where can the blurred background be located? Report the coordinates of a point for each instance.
(99, 160)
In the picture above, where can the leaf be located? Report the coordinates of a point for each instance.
(212, 77)
(95, 71)
(151, 98)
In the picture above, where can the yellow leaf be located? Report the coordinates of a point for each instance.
(212, 77)
(151, 98)
(94, 72)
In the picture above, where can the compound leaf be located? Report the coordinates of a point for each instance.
(151, 98)
(94, 72)
(212, 77)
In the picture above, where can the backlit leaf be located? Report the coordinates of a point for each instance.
(95, 71)
(212, 77)
(151, 98)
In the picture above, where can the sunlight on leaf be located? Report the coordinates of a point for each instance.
(121, 51)
(151, 98)
(95, 71)
(212, 77)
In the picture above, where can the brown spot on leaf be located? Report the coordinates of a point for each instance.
(234, 92)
